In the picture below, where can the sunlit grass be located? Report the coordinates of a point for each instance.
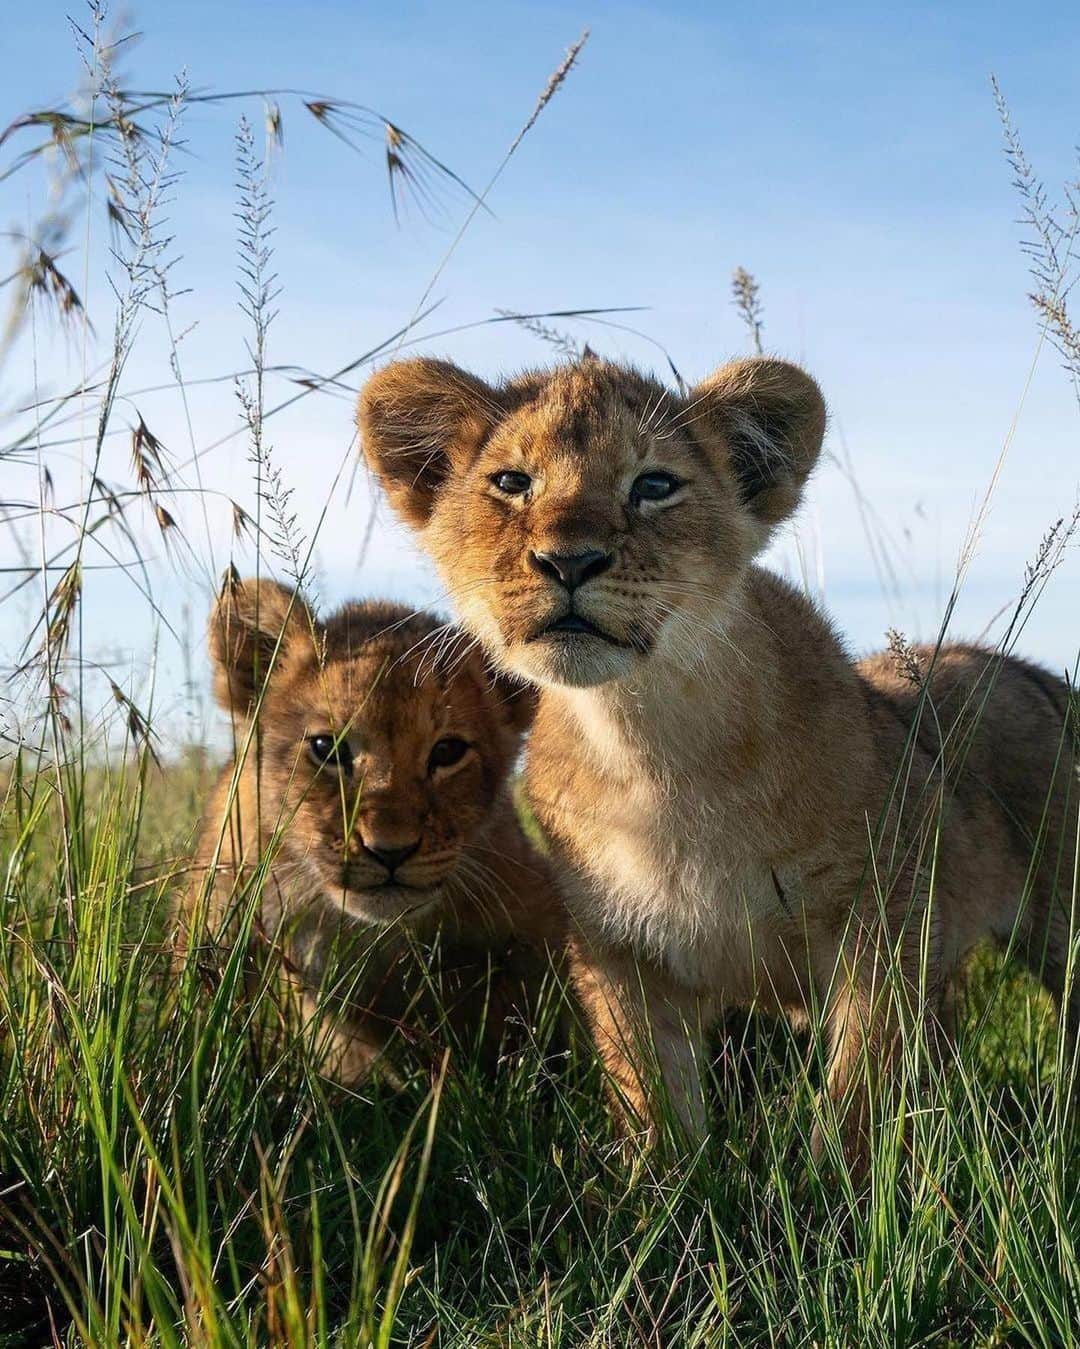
(165, 1180)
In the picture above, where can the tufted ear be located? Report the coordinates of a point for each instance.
(252, 620)
(770, 417)
(417, 419)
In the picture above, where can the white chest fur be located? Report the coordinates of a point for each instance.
(684, 876)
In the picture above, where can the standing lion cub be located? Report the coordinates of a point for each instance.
(369, 804)
(739, 812)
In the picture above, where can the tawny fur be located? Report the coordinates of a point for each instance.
(456, 937)
(739, 812)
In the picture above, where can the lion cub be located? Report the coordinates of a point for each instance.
(369, 803)
(738, 810)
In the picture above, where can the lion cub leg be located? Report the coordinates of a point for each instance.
(873, 1008)
(648, 1034)
(345, 1053)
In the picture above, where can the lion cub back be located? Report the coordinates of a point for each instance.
(992, 760)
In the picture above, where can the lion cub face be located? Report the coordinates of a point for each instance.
(382, 748)
(586, 518)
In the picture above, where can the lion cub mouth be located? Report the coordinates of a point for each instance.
(390, 902)
(572, 625)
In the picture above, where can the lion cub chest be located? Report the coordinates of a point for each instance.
(684, 883)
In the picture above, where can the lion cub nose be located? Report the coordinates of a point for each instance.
(391, 858)
(572, 569)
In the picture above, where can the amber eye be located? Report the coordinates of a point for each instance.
(653, 487)
(510, 482)
(446, 753)
(327, 749)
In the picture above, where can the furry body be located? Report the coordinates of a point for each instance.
(739, 812)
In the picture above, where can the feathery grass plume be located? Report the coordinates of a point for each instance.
(258, 284)
(1050, 551)
(286, 539)
(905, 657)
(143, 182)
(746, 297)
(1050, 246)
(555, 82)
(258, 291)
(1063, 332)
(566, 346)
(1049, 556)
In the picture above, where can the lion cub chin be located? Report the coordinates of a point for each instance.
(366, 826)
(739, 812)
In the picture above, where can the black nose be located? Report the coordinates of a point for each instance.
(572, 569)
(391, 858)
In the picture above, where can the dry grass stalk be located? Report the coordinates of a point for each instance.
(746, 297)
(147, 457)
(63, 601)
(907, 660)
(275, 126)
(44, 277)
(566, 346)
(411, 169)
(1050, 245)
(241, 521)
(137, 724)
(258, 290)
(555, 82)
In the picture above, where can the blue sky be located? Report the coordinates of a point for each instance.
(849, 156)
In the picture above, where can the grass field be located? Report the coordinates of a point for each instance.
(169, 1177)
(166, 1182)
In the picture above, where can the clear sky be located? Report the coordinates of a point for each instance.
(849, 156)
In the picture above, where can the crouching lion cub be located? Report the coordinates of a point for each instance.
(739, 812)
(369, 804)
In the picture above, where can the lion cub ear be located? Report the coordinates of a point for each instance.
(253, 624)
(418, 419)
(770, 416)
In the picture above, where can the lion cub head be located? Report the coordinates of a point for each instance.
(587, 517)
(382, 744)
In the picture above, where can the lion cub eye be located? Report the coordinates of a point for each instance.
(446, 753)
(653, 487)
(510, 482)
(326, 749)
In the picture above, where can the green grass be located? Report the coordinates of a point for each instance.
(165, 1182)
